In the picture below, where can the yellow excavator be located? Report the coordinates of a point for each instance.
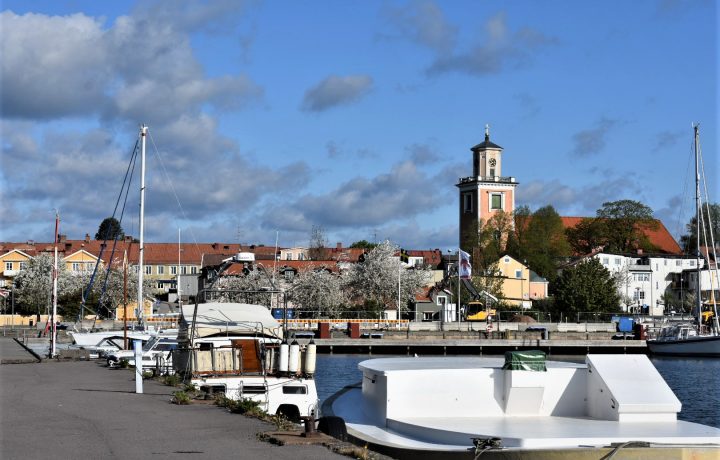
(476, 311)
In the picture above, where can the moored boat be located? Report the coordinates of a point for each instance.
(237, 350)
(612, 405)
(700, 338)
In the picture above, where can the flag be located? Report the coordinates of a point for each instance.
(464, 269)
(4, 293)
(404, 256)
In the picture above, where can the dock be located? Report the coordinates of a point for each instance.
(479, 347)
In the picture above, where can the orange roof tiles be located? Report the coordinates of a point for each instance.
(660, 237)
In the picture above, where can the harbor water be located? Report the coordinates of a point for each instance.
(695, 381)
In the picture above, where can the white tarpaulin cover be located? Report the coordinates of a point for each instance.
(222, 318)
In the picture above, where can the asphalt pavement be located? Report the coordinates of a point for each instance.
(83, 410)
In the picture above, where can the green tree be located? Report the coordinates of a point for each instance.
(624, 222)
(110, 229)
(586, 236)
(362, 244)
(710, 225)
(493, 239)
(545, 242)
(620, 226)
(586, 287)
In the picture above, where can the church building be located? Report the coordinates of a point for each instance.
(484, 193)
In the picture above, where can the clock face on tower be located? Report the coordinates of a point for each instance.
(492, 161)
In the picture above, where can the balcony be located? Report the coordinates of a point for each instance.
(10, 273)
(497, 179)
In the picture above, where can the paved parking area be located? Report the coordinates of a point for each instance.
(82, 410)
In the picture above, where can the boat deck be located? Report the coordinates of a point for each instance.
(438, 433)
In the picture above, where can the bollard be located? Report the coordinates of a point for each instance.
(310, 431)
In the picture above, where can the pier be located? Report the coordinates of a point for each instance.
(479, 347)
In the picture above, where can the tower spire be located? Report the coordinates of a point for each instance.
(487, 132)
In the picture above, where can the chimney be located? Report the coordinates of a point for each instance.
(128, 238)
(339, 246)
(87, 237)
(62, 238)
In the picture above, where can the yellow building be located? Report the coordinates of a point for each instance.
(80, 262)
(516, 281)
(12, 262)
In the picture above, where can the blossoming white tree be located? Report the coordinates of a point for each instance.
(319, 292)
(374, 282)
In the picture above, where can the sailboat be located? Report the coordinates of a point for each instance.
(695, 338)
(89, 339)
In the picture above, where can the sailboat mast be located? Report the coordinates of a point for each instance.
(698, 211)
(53, 330)
(141, 268)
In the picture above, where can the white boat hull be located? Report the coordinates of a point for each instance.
(443, 408)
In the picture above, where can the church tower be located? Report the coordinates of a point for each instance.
(485, 192)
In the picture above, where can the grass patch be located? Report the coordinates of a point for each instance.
(181, 398)
(243, 406)
(172, 380)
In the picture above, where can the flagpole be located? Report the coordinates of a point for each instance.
(458, 297)
(399, 272)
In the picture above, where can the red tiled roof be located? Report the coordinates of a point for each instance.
(660, 237)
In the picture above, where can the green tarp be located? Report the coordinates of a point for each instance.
(533, 360)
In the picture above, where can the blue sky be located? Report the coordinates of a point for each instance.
(269, 118)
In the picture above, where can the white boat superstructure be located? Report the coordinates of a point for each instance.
(237, 350)
(457, 405)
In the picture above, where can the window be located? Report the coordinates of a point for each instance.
(288, 256)
(506, 260)
(161, 269)
(294, 390)
(492, 172)
(148, 269)
(89, 266)
(606, 260)
(183, 270)
(617, 260)
(467, 202)
(518, 274)
(441, 300)
(289, 275)
(678, 263)
(76, 266)
(173, 270)
(692, 263)
(160, 285)
(193, 270)
(8, 265)
(428, 316)
(23, 265)
(496, 201)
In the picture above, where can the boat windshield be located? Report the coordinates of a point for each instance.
(150, 344)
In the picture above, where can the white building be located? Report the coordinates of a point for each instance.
(643, 279)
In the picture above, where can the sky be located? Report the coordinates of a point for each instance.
(269, 119)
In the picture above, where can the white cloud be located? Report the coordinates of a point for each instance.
(501, 48)
(334, 91)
